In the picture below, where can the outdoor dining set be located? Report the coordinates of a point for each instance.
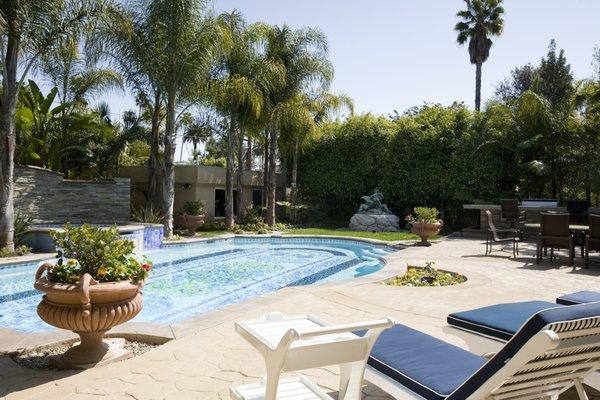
(555, 230)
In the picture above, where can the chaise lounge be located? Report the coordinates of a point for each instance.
(554, 350)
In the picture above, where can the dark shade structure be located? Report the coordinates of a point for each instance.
(555, 234)
(592, 240)
(511, 236)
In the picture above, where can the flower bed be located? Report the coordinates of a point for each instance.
(427, 276)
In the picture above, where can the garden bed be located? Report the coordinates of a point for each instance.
(427, 276)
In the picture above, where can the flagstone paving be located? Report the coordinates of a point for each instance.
(207, 356)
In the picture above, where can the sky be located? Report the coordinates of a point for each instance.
(394, 54)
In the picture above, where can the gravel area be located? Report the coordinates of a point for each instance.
(43, 358)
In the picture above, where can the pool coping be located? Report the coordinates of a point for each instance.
(14, 341)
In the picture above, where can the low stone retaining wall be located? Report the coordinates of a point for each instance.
(48, 197)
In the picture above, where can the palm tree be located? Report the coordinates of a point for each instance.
(186, 39)
(239, 95)
(300, 120)
(28, 30)
(128, 43)
(199, 131)
(481, 19)
(304, 55)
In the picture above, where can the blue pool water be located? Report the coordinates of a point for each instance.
(196, 278)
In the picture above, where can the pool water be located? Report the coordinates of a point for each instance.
(195, 278)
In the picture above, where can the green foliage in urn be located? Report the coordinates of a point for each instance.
(195, 207)
(100, 252)
(424, 214)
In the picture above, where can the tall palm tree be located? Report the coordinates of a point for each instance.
(304, 55)
(239, 95)
(129, 45)
(481, 20)
(187, 40)
(28, 29)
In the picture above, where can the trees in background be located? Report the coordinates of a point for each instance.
(29, 29)
(480, 20)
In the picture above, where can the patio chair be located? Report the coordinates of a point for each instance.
(578, 211)
(592, 240)
(553, 351)
(511, 236)
(511, 213)
(554, 233)
(502, 321)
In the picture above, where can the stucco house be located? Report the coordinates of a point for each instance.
(199, 182)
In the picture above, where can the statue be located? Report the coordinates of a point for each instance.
(373, 204)
(374, 216)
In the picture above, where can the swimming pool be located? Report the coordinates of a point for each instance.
(191, 279)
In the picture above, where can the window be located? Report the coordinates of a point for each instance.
(220, 202)
(257, 198)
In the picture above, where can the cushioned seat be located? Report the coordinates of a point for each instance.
(500, 321)
(585, 296)
(428, 366)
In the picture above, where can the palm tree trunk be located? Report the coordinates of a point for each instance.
(295, 169)
(272, 178)
(478, 86)
(266, 164)
(7, 143)
(249, 154)
(229, 173)
(154, 149)
(169, 165)
(240, 177)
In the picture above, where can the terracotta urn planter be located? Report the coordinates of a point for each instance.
(191, 222)
(426, 230)
(89, 309)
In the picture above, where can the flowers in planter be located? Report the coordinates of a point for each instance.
(100, 252)
(195, 207)
(423, 214)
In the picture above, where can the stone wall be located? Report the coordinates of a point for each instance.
(48, 197)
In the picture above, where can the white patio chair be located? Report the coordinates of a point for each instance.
(294, 343)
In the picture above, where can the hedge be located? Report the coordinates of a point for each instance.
(426, 158)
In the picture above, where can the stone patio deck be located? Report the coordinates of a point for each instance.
(207, 356)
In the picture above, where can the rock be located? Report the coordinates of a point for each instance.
(374, 222)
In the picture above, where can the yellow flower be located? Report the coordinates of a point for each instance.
(101, 272)
(72, 262)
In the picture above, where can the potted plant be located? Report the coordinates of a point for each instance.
(425, 223)
(191, 216)
(94, 286)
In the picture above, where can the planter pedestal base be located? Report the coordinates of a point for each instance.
(423, 243)
(93, 351)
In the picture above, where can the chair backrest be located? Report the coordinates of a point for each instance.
(554, 224)
(577, 206)
(552, 350)
(594, 226)
(510, 207)
(491, 225)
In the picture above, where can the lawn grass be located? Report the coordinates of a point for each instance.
(210, 234)
(385, 236)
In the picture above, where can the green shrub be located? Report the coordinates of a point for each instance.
(195, 207)
(147, 215)
(424, 214)
(214, 162)
(19, 251)
(21, 224)
(100, 252)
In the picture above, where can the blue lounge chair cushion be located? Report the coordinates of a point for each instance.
(428, 366)
(534, 325)
(499, 321)
(585, 296)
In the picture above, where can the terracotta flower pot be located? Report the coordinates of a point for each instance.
(89, 309)
(190, 222)
(426, 230)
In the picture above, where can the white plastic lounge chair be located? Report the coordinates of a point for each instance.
(293, 343)
(555, 350)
